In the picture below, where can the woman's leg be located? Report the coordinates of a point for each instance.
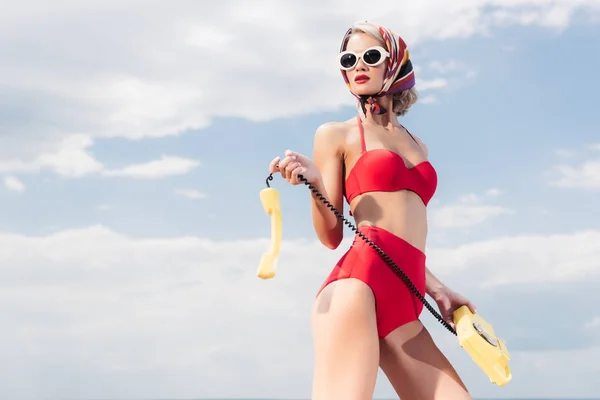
(416, 367)
(346, 344)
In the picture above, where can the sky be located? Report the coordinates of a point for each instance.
(135, 138)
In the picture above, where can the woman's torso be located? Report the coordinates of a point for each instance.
(388, 180)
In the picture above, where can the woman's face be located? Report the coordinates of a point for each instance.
(363, 78)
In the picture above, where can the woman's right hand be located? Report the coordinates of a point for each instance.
(295, 164)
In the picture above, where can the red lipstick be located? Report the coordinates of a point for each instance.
(361, 78)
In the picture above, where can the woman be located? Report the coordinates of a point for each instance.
(364, 316)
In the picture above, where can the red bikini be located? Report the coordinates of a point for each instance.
(382, 170)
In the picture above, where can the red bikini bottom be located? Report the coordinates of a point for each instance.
(395, 304)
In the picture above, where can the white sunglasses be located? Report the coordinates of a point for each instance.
(372, 56)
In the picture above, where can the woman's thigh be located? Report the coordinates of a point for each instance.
(346, 344)
(416, 367)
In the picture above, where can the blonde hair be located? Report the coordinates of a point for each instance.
(402, 101)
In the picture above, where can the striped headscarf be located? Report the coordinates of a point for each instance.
(399, 73)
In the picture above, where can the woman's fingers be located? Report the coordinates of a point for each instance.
(274, 165)
(295, 172)
(289, 167)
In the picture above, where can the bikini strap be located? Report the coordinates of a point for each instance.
(362, 134)
(413, 138)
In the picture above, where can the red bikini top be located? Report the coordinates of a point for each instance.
(382, 170)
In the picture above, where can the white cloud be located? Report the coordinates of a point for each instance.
(69, 158)
(564, 153)
(191, 193)
(163, 167)
(428, 99)
(595, 146)
(554, 366)
(458, 70)
(556, 14)
(493, 192)
(161, 78)
(582, 174)
(467, 212)
(593, 324)
(446, 67)
(524, 259)
(464, 215)
(161, 317)
(72, 159)
(12, 183)
(585, 175)
(431, 84)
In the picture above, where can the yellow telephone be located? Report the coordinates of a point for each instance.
(477, 337)
(271, 202)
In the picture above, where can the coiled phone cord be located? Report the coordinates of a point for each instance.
(381, 253)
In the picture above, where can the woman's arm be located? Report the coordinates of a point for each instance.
(433, 286)
(328, 157)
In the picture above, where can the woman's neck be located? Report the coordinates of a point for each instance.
(387, 120)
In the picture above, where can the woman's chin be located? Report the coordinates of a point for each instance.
(364, 90)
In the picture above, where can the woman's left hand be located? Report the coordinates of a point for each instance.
(449, 301)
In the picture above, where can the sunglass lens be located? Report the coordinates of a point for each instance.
(372, 56)
(348, 60)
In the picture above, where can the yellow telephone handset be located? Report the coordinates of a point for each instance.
(477, 337)
(271, 202)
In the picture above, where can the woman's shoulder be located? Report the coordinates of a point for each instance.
(335, 130)
(331, 137)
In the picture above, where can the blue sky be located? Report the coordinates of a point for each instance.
(132, 162)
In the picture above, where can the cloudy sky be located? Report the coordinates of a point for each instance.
(135, 138)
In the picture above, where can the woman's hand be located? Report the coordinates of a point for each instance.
(295, 164)
(449, 301)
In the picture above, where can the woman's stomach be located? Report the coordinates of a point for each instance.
(401, 213)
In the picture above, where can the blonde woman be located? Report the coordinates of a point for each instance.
(364, 316)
